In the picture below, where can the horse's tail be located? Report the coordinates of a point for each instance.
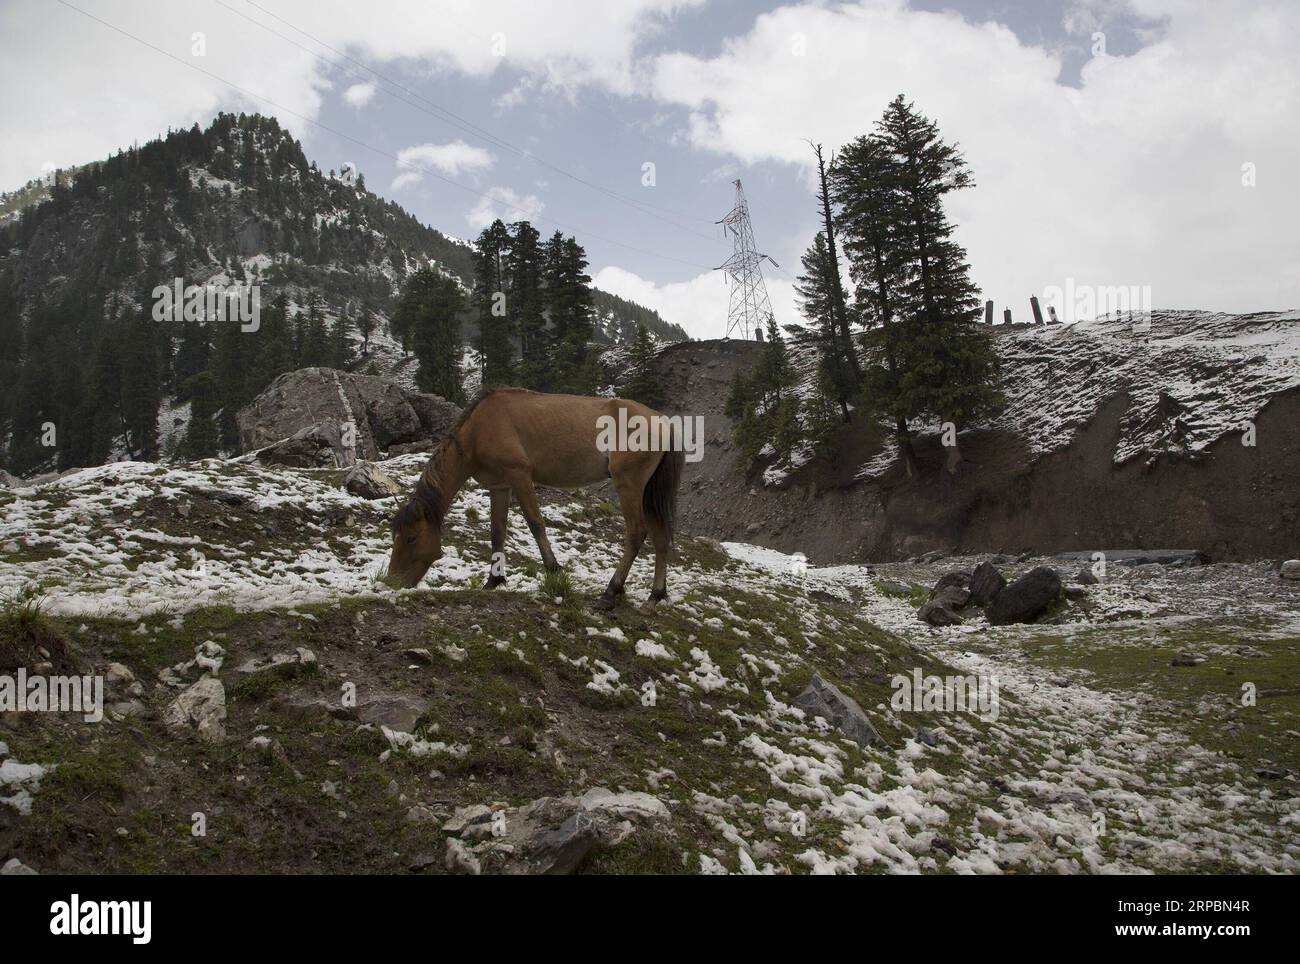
(659, 501)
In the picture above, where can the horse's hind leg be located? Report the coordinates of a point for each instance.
(629, 498)
(659, 535)
(500, 513)
(527, 496)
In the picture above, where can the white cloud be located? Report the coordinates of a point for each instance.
(358, 95)
(99, 90)
(504, 203)
(1134, 178)
(698, 305)
(449, 159)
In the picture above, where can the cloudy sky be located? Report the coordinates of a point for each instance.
(1113, 142)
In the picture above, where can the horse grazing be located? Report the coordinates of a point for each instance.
(511, 440)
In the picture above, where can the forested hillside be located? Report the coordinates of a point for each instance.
(88, 366)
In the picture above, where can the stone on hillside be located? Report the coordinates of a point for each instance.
(321, 401)
(399, 713)
(985, 583)
(202, 706)
(460, 860)
(954, 597)
(824, 699)
(370, 482)
(1290, 569)
(1086, 577)
(1026, 598)
(938, 613)
(958, 578)
(13, 867)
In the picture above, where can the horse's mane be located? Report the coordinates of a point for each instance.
(427, 501)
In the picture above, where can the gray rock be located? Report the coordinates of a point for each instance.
(1026, 598)
(954, 597)
(398, 713)
(824, 699)
(460, 859)
(316, 446)
(957, 579)
(1086, 577)
(201, 706)
(383, 413)
(560, 850)
(1290, 570)
(938, 613)
(370, 482)
(13, 867)
(985, 584)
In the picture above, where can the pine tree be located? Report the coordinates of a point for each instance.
(316, 349)
(526, 306)
(141, 389)
(274, 346)
(106, 392)
(644, 386)
(490, 304)
(818, 302)
(862, 182)
(202, 437)
(230, 368)
(341, 342)
(761, 403)
(837, 302)
(926, 356)
(951, 361)
(365, 327)
(569, 306)
(432, 302)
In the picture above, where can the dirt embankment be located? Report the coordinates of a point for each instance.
(1232, 501)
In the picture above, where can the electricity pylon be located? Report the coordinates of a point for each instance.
(750, 308)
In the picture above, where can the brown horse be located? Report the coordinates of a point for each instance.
(510, 440)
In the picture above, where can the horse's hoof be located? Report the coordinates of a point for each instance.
(494, 581)
(649, 606)
(605, 602)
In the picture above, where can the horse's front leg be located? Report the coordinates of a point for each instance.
(500, 519)
(522, 484)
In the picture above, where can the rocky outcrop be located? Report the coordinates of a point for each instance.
(321, 416)
(1290, 570)
(1026, 598)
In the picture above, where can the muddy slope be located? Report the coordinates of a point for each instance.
(1233, 501)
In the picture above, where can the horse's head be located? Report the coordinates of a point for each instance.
(417, 541)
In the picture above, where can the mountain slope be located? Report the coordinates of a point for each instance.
(366, 730)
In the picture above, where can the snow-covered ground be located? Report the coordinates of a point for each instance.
(1071, 774)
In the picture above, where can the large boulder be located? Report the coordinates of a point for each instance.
(313, 407)
(1025, 599)
(1290, 570)
(958, 578)
(985, 584)
(940, 611)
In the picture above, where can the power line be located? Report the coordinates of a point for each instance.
(455, 120)
(377, 150)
